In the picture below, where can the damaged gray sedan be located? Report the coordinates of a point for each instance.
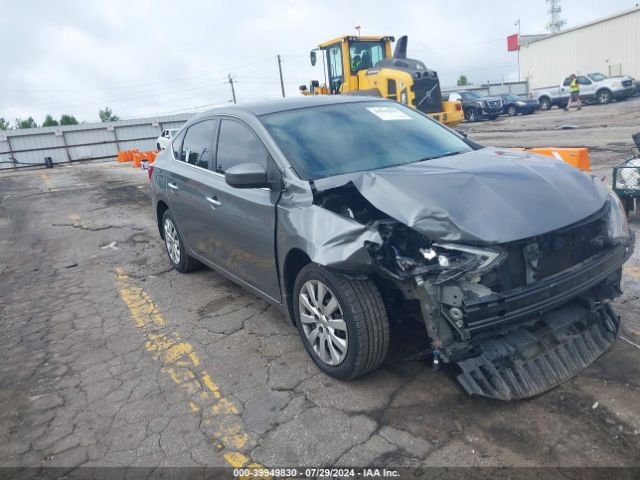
(347, 212)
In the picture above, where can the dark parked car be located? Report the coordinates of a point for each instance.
(475, 106)
(513, 105)
(348, 211)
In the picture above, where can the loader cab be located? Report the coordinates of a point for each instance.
(345, 57)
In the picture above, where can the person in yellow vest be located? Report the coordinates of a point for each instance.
(574, 89)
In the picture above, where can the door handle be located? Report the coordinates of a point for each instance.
(172, 186)
(214, 202)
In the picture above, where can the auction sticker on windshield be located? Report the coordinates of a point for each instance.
(388, 113)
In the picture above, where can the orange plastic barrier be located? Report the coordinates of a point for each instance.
(578, 157)
(137, 159)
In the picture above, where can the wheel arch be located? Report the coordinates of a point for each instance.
(294, 261)
(161, 207)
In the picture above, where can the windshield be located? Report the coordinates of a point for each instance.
(351, 137)
(596, 77)
(470, 95)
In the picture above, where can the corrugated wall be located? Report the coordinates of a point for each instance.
(610, 47)
(87, 141)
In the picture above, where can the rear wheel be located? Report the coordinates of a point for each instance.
(178, 255)
(545, 103)
(512, 110)
(342, 322)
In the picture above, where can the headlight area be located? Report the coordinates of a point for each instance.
(617, 225)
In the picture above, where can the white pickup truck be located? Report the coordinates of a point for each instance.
(594, 87)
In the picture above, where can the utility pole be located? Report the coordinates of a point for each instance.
(233, 90)
(518, 24)
(280, 69)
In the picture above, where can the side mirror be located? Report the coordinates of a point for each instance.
(312, 56)
(247, 175)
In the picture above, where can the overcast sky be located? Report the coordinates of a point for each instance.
(143, 57)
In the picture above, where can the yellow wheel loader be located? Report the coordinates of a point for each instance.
(364, 65)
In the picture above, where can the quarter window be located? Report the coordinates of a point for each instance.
(236, 145)
(177, 146)
(196, 149)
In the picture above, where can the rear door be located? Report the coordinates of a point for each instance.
(243, 227)
(190, 193)
(587, 89)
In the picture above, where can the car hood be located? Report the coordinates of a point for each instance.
(487, 196)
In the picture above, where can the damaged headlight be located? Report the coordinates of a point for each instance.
(617, 225)
(458, 259)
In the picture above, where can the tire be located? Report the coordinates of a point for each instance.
(629, 204)
(471, 115)
(365, 326)
(181, 260)
(512, 110)
(603, 96)
(545, 103)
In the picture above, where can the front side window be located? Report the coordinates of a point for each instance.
(237, 144)
(567, 82)
(196, 148)
(352, 137)
(334, 60)
(365, 55)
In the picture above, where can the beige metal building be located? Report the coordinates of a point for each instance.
(609, 45)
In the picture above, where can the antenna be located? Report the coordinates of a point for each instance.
(556, 23)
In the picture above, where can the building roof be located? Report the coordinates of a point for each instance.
(541, 38)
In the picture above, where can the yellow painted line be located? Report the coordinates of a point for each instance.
(181, 363)
(46, 180)
(631, 270)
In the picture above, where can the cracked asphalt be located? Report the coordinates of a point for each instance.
(108, 357)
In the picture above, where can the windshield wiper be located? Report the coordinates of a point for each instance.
(448, 154)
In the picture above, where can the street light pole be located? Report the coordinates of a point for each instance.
(518, 24)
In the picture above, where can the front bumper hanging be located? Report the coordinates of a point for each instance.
(538, 357)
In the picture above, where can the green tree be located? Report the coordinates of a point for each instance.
(68, 120)
(107, 115)
(49, 121)
(28, 123)
(4, 125)
(463, 80)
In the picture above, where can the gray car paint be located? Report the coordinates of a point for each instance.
(464, 198)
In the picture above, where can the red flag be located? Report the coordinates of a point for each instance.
(512, 42)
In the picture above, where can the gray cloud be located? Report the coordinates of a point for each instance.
(143, 57)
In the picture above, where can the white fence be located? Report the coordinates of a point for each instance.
(88, 141)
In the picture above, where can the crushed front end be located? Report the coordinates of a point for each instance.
(519, 317)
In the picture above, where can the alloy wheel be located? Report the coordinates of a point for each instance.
(172, 241)
(323, 322)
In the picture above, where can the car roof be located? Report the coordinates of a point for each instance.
(273, 106)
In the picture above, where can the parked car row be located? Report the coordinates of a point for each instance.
(478, 107)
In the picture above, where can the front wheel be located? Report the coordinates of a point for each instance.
(472, 115)
(513, 111)
(603, 97)
(342, 322)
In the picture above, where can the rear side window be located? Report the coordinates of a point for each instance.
(237, 144)
(197, 144)
(567, 82)
(177, 146)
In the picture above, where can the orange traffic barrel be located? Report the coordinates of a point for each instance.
(578, 157)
